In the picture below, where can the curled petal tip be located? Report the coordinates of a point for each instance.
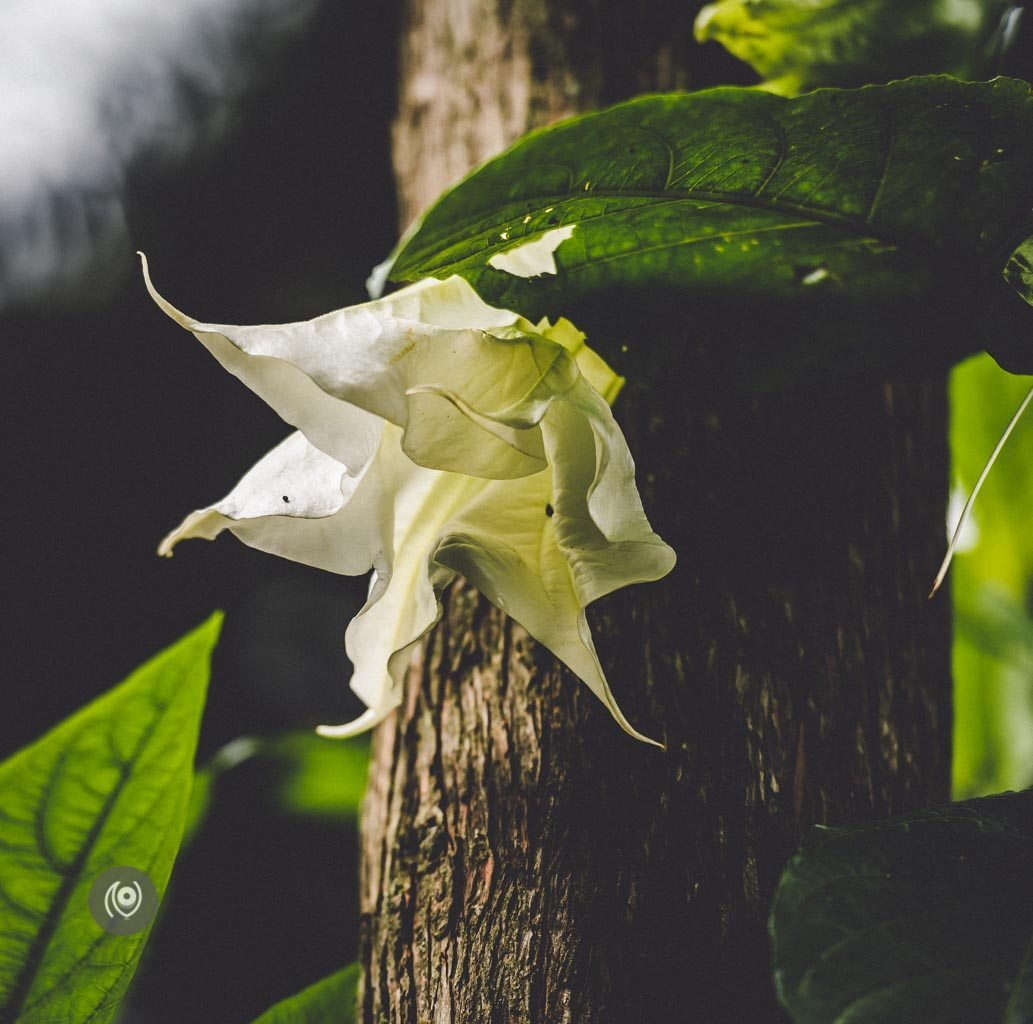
(167, 547)
(611, 704)
(168, 543)
(649, 741)
(365, 722)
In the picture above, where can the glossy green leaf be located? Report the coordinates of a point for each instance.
(927, 917)
(838, 230)
(108, 787)
(803, 44)
(330, 1001)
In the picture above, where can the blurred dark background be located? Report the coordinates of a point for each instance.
(245, 146)
(118, 423)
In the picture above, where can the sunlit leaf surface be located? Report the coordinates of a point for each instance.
(803, 44)
(107, 788)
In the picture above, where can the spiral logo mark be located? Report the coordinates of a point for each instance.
(123, 900)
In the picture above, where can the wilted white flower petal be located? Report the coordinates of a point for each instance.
(438, 435)
(299, 503)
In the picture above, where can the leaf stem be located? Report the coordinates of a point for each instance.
(963, 518)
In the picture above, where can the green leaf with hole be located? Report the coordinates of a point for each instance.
(927, 917)
(330, 1001)
(106, 788)
(781, 238)
(803, 44)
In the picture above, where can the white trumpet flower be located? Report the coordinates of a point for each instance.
(436, 436)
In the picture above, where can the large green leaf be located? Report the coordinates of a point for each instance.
(803, 44)
(330, 1001)
(837, 230)
(921, 918)
(106, 788)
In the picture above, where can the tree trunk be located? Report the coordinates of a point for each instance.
(524, 861)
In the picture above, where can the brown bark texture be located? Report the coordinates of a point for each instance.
(524, 861)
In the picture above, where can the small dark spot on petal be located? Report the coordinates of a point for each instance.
(286, 499)
(549, 511)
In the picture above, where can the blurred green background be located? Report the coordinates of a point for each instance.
(992, 584)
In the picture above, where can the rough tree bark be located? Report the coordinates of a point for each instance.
(525, 861)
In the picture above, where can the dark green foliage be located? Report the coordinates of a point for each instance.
(927, 917)
(784, 238)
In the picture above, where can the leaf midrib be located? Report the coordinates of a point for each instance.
(857, 225)
(752, 202)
